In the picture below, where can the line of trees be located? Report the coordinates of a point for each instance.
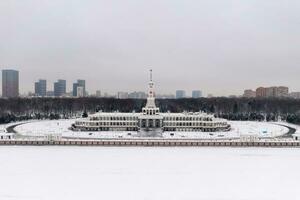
(229, 108)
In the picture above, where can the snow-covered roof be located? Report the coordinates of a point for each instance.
(201, 114)
(183, 114)
(114, 114)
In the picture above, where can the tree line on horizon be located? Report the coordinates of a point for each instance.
(254, 109)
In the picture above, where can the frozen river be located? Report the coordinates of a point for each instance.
(71, 173)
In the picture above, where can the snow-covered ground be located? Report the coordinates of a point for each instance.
(261, 129)
(114, 173)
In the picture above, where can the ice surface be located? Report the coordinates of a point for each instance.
(261, 129)
(128, 173)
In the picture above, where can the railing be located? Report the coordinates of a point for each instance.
(153, 142)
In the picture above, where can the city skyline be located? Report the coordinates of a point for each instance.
(236, 45)
(40, 88)
(11, 89)
(69, 89)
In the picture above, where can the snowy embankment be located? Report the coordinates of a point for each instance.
(239, 128)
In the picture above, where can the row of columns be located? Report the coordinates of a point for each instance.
(150, 123)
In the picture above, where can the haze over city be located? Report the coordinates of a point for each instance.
(217, 47)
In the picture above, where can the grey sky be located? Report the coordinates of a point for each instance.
(220, 47)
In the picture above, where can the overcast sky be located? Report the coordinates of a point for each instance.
(220, 47)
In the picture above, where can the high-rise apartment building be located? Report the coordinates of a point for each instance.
(283, 91)
(261, 92)
(40, 88)
(79, 83)
(10, 83)
(80, 91)
(196, 93)
(270, 92)
(180, 94)
(249, 94)
(122, 95)
(98, 93)
(60, 88)
(137, 95)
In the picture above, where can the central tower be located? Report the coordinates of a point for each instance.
(150, 122)
(150, 108)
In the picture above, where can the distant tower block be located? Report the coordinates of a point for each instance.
(10, 83)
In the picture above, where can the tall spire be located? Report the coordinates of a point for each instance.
(151, 96)
(150, 108)
(151, 89)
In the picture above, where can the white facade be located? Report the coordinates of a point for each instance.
(80, 91)
(151, 120)
(6, 136)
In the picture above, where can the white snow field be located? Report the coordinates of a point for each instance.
(261, 129)
(134, 173)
